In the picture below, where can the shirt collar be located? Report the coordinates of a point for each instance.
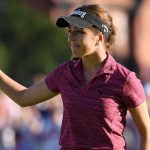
(109, 65)
(77, 63)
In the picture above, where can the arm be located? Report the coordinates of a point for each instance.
(25, 96)
(141, 118)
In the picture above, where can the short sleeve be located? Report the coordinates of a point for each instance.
(52, 79)
(133, 91)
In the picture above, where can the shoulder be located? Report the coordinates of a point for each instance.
(67, 65)
(131, 81)
(124, 71)
(63, 65)
(124, 74)
(119, 69)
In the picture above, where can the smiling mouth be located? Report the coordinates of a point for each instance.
(74, 46)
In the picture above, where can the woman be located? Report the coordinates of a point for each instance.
(96, 90)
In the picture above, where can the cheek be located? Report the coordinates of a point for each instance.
(88, 42)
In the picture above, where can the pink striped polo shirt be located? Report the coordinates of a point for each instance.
(94, 113)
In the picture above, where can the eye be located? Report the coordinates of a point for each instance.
(76, 31)
(80, 31)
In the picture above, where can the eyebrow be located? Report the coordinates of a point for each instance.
(69, 27)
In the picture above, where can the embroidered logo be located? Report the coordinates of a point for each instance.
(105, 28)
(79, 13)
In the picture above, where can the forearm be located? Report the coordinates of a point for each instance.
(23, 96)
(145, 142)
(145, 135)
(141, 118)
(11, 88)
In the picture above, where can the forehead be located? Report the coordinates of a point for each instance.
(74, 27)
(77, 28)
(86, 29)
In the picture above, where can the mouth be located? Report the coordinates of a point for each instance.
(73, 45)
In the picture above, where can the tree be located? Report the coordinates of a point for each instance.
(30, 44)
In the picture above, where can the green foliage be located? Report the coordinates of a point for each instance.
(29, 43)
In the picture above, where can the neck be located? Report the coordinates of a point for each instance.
(93, 62)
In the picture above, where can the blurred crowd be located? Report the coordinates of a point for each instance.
(30, 128)
(38, 127)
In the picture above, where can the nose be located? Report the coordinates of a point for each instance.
(71, 36)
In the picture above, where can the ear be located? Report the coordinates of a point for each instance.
(99, 38)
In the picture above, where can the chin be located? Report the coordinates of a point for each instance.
(75, 58)
(75, 53)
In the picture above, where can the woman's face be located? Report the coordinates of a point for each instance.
(82, 41)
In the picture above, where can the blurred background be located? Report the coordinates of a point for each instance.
(31, 46)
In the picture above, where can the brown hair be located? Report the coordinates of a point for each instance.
(106, 18)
